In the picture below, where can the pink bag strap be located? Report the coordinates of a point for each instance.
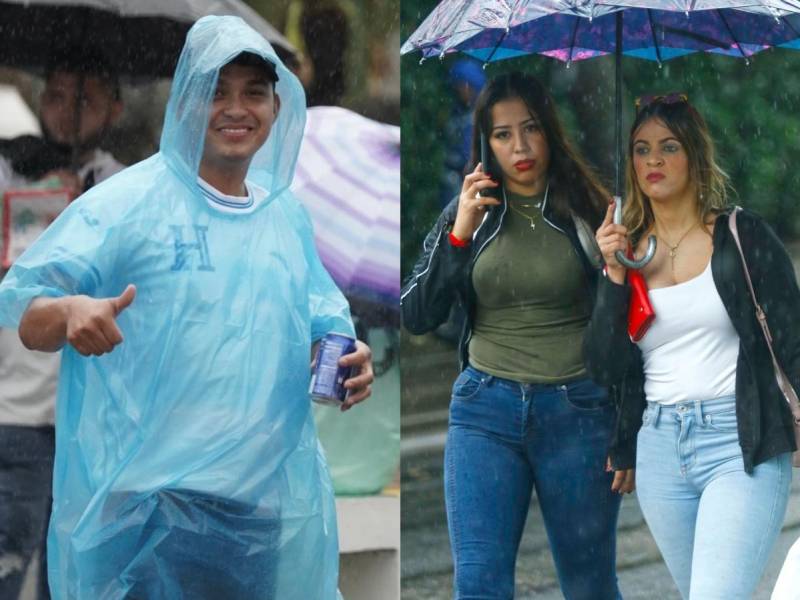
(780, 376)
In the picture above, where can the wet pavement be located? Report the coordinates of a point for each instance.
(426, 564)
(428, 369)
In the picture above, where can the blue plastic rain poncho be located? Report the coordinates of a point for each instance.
(187, 462)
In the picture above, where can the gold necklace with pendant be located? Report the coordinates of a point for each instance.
(673, 250)
(537, 205)
(519, 212)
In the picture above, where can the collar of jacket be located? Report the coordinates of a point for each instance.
(494, 219)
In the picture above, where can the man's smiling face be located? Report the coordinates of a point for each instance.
(243, 110)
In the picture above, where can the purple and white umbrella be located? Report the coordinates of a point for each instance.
(348, 176)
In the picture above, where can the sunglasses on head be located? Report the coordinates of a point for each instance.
(650, 99)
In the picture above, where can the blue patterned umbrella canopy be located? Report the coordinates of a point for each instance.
(571, 30)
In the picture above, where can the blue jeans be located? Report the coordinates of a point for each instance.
(714, 524)
(506, 438)
(26, 480)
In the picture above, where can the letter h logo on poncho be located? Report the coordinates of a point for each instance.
(185, 251)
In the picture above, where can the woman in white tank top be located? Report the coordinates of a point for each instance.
(700, 414)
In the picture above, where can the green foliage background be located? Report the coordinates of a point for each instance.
(751, 110)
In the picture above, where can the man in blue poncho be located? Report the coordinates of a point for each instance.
(186, 294)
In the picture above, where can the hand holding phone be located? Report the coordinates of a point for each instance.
(490, 168)
(472, 203)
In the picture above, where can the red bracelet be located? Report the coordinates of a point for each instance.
(458, 243)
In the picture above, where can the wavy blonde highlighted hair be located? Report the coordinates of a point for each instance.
(711, 183)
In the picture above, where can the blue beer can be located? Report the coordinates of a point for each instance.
(327, 380)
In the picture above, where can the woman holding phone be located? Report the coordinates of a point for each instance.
(524, 414)
(700, 416)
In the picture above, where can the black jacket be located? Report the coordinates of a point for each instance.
(34, 157)
(443, 273)
(764, 419)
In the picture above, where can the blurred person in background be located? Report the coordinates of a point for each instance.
(326, 34)
(466, 79)
(70, 147)
(28, 379)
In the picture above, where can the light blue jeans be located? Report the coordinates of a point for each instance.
(714, 524)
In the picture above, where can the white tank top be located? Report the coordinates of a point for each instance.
(691, 349)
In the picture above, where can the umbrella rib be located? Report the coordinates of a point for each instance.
(502, 37)
(572, 41)
(733, 37)
(497, 45)
(790, 26)
(655, 37)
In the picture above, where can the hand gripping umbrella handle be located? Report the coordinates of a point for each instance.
(651, 243)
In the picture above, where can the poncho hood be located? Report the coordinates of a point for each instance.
(211, 44)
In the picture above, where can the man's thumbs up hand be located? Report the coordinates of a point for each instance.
(124, 300)
(91, 325)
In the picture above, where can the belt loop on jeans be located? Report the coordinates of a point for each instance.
(487, 381)
(698, 412)
(656, 413)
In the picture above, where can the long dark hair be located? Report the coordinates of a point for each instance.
(573, 185)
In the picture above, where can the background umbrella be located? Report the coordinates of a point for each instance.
(348, 175)
(136, 40)
(141, 38)
(571, 30)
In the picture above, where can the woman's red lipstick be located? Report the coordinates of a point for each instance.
(655, 177)
(524, 165)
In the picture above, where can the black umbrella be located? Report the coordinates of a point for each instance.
(141, 38)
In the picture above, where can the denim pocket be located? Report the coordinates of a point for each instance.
(586, 395)
(467, 385)
(721, 420)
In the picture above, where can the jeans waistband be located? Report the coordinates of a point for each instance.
(515, 385)
(697, 407)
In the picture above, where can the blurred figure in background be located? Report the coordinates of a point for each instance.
(69, 148)
(326, 34)
(28, 379)
(466, 79)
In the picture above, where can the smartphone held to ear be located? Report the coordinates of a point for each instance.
(490, 168)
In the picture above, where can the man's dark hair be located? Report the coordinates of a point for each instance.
(248, 59)
(86, 61)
